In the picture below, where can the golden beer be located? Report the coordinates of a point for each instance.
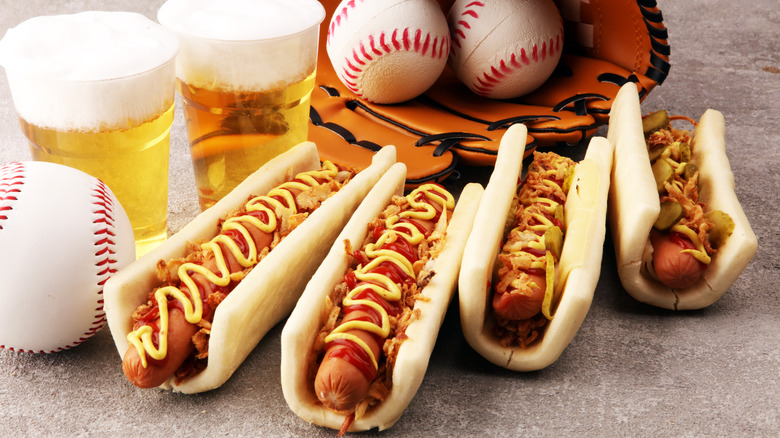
(95, 91)
(232, 134)
(132, 162)
(245, 72)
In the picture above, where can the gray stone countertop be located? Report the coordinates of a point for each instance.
(632, 370)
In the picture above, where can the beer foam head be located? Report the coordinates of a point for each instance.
(240, 20)
(244, 45)
(91, 68)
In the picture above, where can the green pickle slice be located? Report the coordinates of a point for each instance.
(685, 152)
(553, 241)
(655, 121)
(655, 153)
(671, 213)
(689, 170)
(722, 227)
(663, 173)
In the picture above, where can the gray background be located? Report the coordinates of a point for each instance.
(632, 370)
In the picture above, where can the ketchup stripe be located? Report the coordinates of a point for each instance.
(376, 290)
(234, 238)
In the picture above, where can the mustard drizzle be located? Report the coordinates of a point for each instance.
(700, 253)
(381, 284)
(142, 337)
(536, 233)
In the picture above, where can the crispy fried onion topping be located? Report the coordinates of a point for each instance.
(539, 207)
(332, 313)
(684, 187)
(308, 200)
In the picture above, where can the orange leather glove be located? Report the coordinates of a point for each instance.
(607, 43)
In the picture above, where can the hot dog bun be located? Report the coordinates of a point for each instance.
(305, 321)
(634, 206)
(271, 289)
(577, 271)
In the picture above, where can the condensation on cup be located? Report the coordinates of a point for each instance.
(245, 73)
(96, 91)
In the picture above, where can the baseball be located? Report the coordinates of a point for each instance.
(388, 51)
(504, 48)
(62, 235)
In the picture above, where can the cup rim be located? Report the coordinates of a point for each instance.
(236, 41)
(173, 26)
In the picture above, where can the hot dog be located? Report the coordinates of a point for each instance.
(533, 259)
(243, 257)
(523, 296)
(357, 344)
(689, 259)
(209, 273)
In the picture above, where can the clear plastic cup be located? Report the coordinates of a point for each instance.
(96, 91)
(245, 73)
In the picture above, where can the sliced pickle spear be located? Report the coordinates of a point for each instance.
(663, 173)
(553, 241)
(559, 213)
(689, 171)
(671, 213)
(722, 227)
(655, 121)
(685, 152)
(655, 153)
(568, 179)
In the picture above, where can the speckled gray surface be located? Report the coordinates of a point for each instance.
(632, 370)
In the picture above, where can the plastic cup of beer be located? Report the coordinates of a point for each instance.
(245, 72)
(96, 91)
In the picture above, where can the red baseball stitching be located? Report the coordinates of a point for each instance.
(376, 46)
(458, 31)
(492, 77)
(105, 251)
(489, 79)
(399, 41)
(340, 15)
(105, 245)
(11, 182)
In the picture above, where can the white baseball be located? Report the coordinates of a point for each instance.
(62, 235)
(388, 51)
(504, 48)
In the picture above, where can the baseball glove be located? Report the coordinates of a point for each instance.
(607, 43)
